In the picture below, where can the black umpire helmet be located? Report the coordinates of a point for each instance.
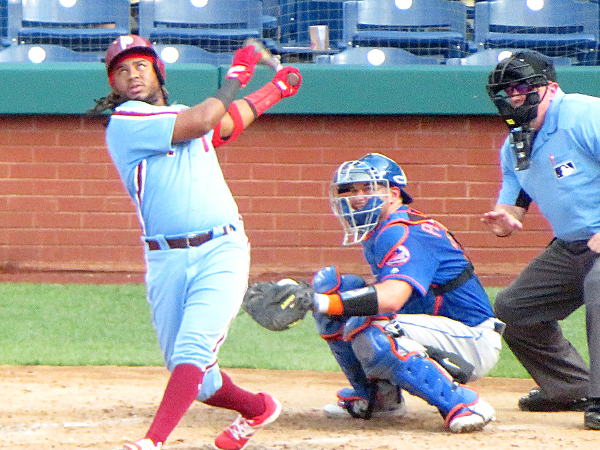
(528, 66)
(523, 67)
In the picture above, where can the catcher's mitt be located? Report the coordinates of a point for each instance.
(278, 305)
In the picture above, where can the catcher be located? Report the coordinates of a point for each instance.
(426, 326)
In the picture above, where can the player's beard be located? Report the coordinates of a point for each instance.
(155, 98)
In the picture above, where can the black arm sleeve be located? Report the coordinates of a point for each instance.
(523, 200)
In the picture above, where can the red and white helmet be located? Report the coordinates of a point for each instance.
(132, 43)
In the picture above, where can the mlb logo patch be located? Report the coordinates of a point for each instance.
(400, 256)
(564, 170)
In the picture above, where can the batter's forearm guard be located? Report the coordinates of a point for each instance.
(238, 127)
(263, 99)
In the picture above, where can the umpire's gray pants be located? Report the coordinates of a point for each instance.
(565, 276)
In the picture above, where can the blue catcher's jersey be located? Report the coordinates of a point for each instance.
(409, 246)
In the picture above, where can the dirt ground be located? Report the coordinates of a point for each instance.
(103, 407)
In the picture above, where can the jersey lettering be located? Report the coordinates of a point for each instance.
(430, 228)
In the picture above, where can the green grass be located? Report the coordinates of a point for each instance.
(49, 324)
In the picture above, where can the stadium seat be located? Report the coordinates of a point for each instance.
(189, 54)
(44, 53)
(566, 28)
(320, 12)
(422, 27)
(83, 25)
(4, 39)
(214, 25)
(492, 56)
(374, 56)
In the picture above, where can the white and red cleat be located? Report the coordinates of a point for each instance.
(237, 435)
(143, 444)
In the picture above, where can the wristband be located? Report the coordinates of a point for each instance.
(228, 91)
(357, 302)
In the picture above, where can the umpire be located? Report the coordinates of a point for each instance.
(551, 157)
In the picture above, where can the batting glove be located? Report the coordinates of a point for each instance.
(285, 79)
(244, 62)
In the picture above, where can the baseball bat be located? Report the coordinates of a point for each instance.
(270, 60)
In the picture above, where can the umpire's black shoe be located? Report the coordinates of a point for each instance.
(591, 418)
(536, 402)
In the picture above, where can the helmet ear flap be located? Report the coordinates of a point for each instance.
(159, 68)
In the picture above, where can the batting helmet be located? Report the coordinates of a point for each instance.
(130, 44)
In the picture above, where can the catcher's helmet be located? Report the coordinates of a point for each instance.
(388, 169)
(526, 67)
(376, 173)
(132, 43)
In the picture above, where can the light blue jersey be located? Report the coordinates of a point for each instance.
(194, 290)
(177, 188)
(564, 176)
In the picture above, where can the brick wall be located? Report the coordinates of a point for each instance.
(64, 215)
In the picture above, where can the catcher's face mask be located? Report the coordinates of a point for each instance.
(356, 196)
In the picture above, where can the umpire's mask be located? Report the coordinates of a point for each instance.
(522, 72)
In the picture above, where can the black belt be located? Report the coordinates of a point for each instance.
(187, 242)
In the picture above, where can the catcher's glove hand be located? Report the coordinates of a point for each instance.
(278, 305)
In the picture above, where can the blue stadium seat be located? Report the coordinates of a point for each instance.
(566, 28)
(4, 39)
(422, 27)
(320, 12)
(83, 25)
(215, 25)
(189, 54)
(375, 56)
(492, 56)
(44, 53)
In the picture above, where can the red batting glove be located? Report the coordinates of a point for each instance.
(285, 80)
(244, 62)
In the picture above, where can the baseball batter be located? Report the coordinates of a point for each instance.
(426, 326)
(197, 253)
